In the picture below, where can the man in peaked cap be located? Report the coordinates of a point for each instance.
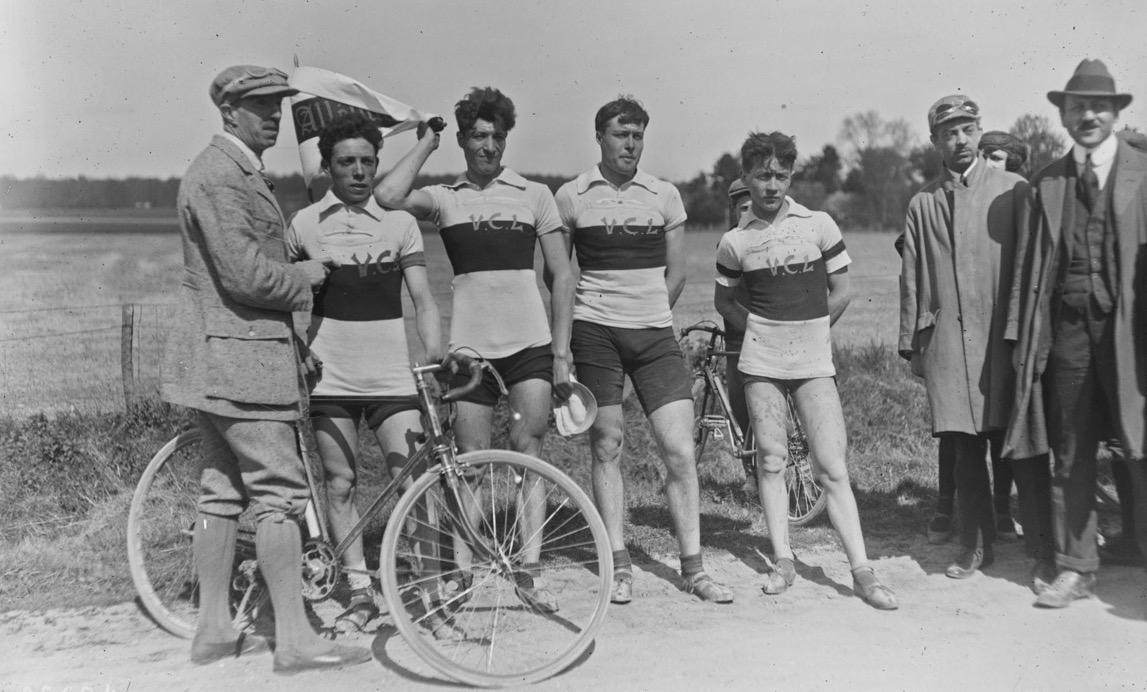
(960, 237)
(232, 357)
(1079, 320)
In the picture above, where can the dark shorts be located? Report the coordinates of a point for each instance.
(536, 363)
(651, 357)
(374, 410)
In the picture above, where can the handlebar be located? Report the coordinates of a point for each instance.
(456, 360)
(703, 327)
(437, 123)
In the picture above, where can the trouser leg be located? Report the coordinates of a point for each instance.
(1033, 488)
(973, 488)
(946, 476)
(1073, 402)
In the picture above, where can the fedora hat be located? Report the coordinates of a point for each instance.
(1091, 78)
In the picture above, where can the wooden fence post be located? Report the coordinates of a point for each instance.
(126, 355)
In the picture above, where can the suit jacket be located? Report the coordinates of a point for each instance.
(1038, 264)
(955, 281)
(231, 351)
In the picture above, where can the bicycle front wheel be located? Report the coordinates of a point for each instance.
(160, 525)
(503, 579)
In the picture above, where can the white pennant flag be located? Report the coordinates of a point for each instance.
(325, 95)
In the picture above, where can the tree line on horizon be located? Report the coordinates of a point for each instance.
(866, 181)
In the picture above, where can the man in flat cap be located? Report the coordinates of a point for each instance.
(1079, 319)
(956, 273)
(232, 357)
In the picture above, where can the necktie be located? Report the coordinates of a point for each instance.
(1089, 183)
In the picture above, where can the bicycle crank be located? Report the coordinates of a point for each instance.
(320, 570)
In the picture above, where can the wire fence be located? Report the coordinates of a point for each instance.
(92, 357)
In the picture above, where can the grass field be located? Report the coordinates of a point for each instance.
(67, 278)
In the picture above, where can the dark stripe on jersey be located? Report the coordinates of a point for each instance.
(725, 271)
(791, 292)
(833, 251)
(485, 246)
(361, 293)
(414, 259)
(620, 247)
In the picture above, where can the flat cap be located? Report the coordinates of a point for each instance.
(952, 108)
(239, 81)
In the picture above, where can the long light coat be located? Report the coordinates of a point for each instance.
(232, 351)
(1029, 315)
(955, 278)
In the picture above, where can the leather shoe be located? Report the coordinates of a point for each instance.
(969, 561)
(337, 657)
(1067, 587)
(1042, 576)
(204, 653)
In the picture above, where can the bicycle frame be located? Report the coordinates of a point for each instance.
(437, 443)
(715, 386)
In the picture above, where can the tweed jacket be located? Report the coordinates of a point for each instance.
(956, 274)
(1038, 264)
(231, 350)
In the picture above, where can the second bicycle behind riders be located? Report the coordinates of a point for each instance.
(491, 219)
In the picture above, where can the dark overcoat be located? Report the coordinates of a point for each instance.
(1029, 314)
(956, 274)
(231, 350)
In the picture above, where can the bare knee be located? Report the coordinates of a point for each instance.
(340, 487)
(526, 440)
(679, 463)
(771, 463)
(833, 473)
(607, 447)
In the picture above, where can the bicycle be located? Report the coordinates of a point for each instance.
(714, 419)
(450, 562)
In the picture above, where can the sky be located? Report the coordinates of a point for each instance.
(117, 89)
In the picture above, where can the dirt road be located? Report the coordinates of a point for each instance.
(981, 633)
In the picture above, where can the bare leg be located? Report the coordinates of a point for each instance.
(606, 437)
(673, 430)
(530, 406)
(818, 406)
(769, 413)
(337, 440)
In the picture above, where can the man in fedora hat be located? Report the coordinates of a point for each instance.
(1079, 321)
(232, 357)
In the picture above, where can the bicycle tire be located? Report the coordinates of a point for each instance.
(806, 497)
(484, 633)
(159, 536)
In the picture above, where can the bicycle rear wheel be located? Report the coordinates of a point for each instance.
(160, 525)
(806, 497)
(468, 607)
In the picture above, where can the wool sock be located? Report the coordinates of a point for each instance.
(621, 561)
(213, 547)
(278, 549)
(691, 564)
